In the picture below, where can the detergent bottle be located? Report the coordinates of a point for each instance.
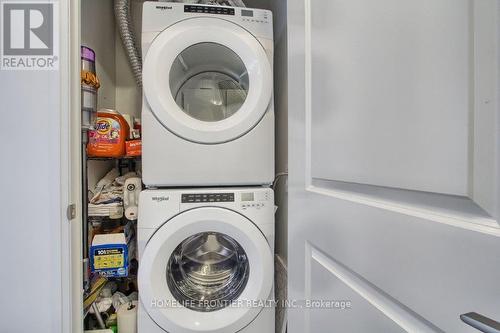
(108, 138)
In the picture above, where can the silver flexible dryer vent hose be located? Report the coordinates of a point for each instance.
(127, 35)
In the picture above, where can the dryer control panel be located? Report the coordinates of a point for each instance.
(247, 15)
(159, 15)
(208, 9)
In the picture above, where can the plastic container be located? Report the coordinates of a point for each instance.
(89, 86)
(88, 59)
(89, 106)
(109, 136)
(127, 317)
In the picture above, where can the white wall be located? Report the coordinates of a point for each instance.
(30, 201)
(98, 33)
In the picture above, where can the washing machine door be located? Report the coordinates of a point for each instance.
(206, 270)
(207, 80)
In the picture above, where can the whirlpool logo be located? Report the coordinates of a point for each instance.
(160, 199)
(164, 7)
(29, 39)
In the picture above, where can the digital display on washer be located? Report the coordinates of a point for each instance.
(247, 196)
(207, 197)
(208, 10)
(247, 13)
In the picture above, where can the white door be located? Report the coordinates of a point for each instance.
(200, 267)
(394, 164)
(207, 80)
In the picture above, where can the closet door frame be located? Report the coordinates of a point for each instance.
(70, 163)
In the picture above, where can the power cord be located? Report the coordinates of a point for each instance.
(277, 178)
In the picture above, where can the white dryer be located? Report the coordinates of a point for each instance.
(208, 114)
(206, 260)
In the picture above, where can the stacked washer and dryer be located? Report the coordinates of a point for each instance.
(206, 219)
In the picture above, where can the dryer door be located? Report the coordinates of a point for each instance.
(206, 270)
(207, 80)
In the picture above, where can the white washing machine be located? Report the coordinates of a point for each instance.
(206, 260)
(208, 113)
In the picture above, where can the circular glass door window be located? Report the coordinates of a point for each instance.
(207, 271)
(209, 82)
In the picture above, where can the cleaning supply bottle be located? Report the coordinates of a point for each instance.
(108, 138)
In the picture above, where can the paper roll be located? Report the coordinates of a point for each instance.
(127, 317)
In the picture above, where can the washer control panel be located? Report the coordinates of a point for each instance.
(207, 197)
(244, 200)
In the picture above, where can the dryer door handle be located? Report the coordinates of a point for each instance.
(480, 322)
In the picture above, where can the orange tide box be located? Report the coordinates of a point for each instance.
(133, 148)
